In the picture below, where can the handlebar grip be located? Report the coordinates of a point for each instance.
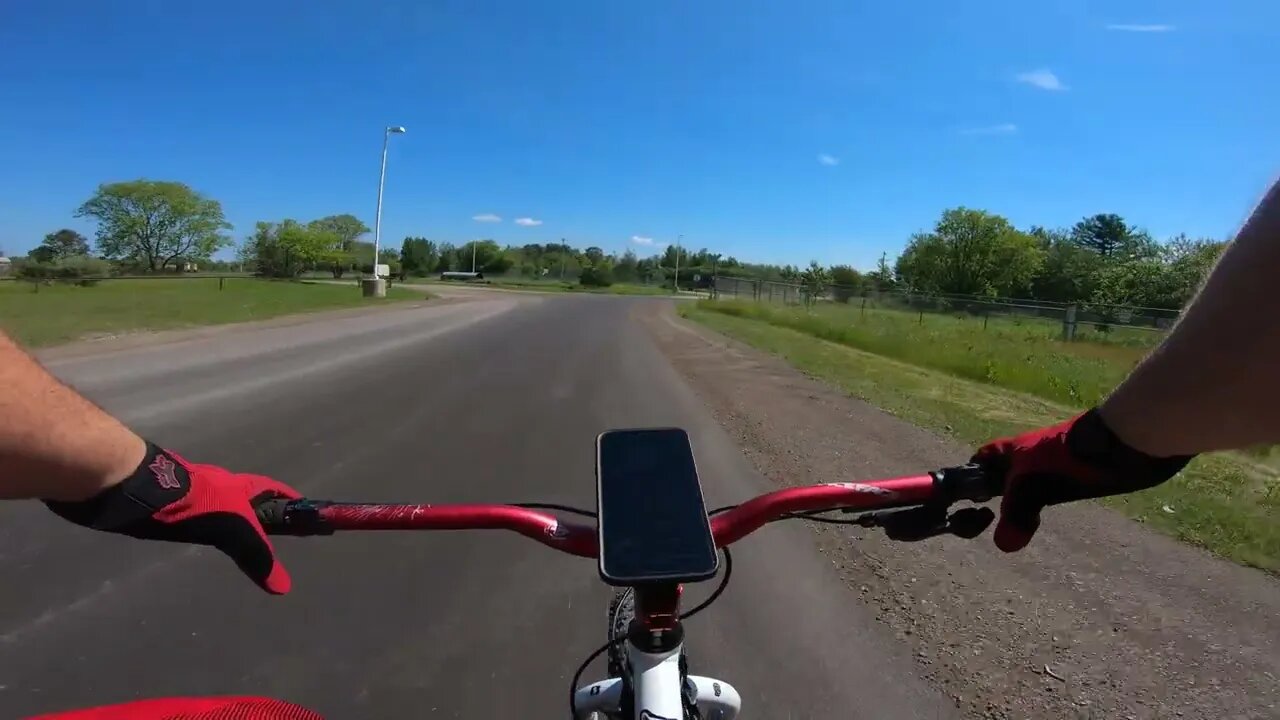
(291, 517)
(971, 482)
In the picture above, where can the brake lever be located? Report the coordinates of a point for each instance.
(925, 521)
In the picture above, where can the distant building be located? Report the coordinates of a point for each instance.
(6, 265)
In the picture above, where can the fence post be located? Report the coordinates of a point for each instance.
(863, 314)
(922, 316)
(1069, 324)
(220, 279)
(985, 314)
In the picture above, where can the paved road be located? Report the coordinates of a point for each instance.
(488, 400)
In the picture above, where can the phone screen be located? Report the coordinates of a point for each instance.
(653, 524)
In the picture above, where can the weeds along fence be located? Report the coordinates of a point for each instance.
(1073, 317)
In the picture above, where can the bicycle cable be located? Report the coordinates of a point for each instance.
(577, 675)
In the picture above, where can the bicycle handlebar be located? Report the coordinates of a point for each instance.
(938, 489)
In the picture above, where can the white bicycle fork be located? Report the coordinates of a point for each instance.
(655, 680)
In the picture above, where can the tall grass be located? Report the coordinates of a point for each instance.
(1021, 354)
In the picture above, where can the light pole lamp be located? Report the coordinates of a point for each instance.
(382, 179)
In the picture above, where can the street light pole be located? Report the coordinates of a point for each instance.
(473, 257)
(677, 282)
(382, 179)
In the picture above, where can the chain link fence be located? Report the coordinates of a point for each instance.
(1071, 316)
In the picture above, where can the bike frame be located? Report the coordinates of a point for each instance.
(656, 679)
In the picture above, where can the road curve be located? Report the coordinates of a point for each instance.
(495, 399)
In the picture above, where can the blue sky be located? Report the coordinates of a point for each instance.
(773, 131)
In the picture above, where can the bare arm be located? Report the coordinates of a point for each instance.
(54, 444)
(1214, 383)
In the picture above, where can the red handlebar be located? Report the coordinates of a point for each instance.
(308, 517)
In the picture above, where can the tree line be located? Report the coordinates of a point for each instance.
(156, 226)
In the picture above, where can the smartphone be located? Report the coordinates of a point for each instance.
(652, 521)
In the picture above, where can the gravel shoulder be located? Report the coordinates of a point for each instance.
(1099, 618)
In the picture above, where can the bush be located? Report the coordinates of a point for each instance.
(71, 268)
(595, 276)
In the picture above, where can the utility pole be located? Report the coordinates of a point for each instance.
(473, 256)
(564, 250)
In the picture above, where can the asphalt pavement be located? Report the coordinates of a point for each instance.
(495, 399)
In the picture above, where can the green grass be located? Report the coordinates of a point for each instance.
(64, 312)
(1022, 354)
(1225, 502)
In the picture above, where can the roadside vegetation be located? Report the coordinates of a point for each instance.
(952, 376)
(39, 315)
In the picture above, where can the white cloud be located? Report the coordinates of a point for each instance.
(1001, 129)
(528, 222)
(828, 160)
(639, 240)
(486, 217)
(1142, 28)
(1042, 78)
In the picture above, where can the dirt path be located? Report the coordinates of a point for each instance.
(1099, 618)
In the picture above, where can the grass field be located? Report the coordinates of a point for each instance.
(1022, 354)
(1226, 502)
(64, 312)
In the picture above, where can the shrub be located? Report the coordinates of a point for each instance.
(595, 276)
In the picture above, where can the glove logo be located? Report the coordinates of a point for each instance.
(166, 473)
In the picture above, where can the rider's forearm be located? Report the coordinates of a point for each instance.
(54, 444)
(1214, 383)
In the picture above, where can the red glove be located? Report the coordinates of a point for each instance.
(168, 498)
(1073, 460)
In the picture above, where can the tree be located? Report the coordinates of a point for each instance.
(288, 248)
(417, 256)
(152, 222)
(627, 269)
(593, 254)
(1070, 272)
(444, 263)
(1108, 235)
(599, 275)
(59, 245)
(345, 227)
(815, 280)
(971, 252)
(846, 283)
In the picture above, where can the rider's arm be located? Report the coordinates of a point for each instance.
(92, 470)
(1214, 383)
(54, 444)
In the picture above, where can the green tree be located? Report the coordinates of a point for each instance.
(417, 256)
(152, 222)
(1070, 272)
(287, 248)
(627, 269)
(971, 252)
(815, 280)
(846, 283)
(346, 227)
(1108, 235)
(61, 244)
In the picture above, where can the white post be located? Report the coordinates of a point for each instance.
(473, 256)
(382, 179)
